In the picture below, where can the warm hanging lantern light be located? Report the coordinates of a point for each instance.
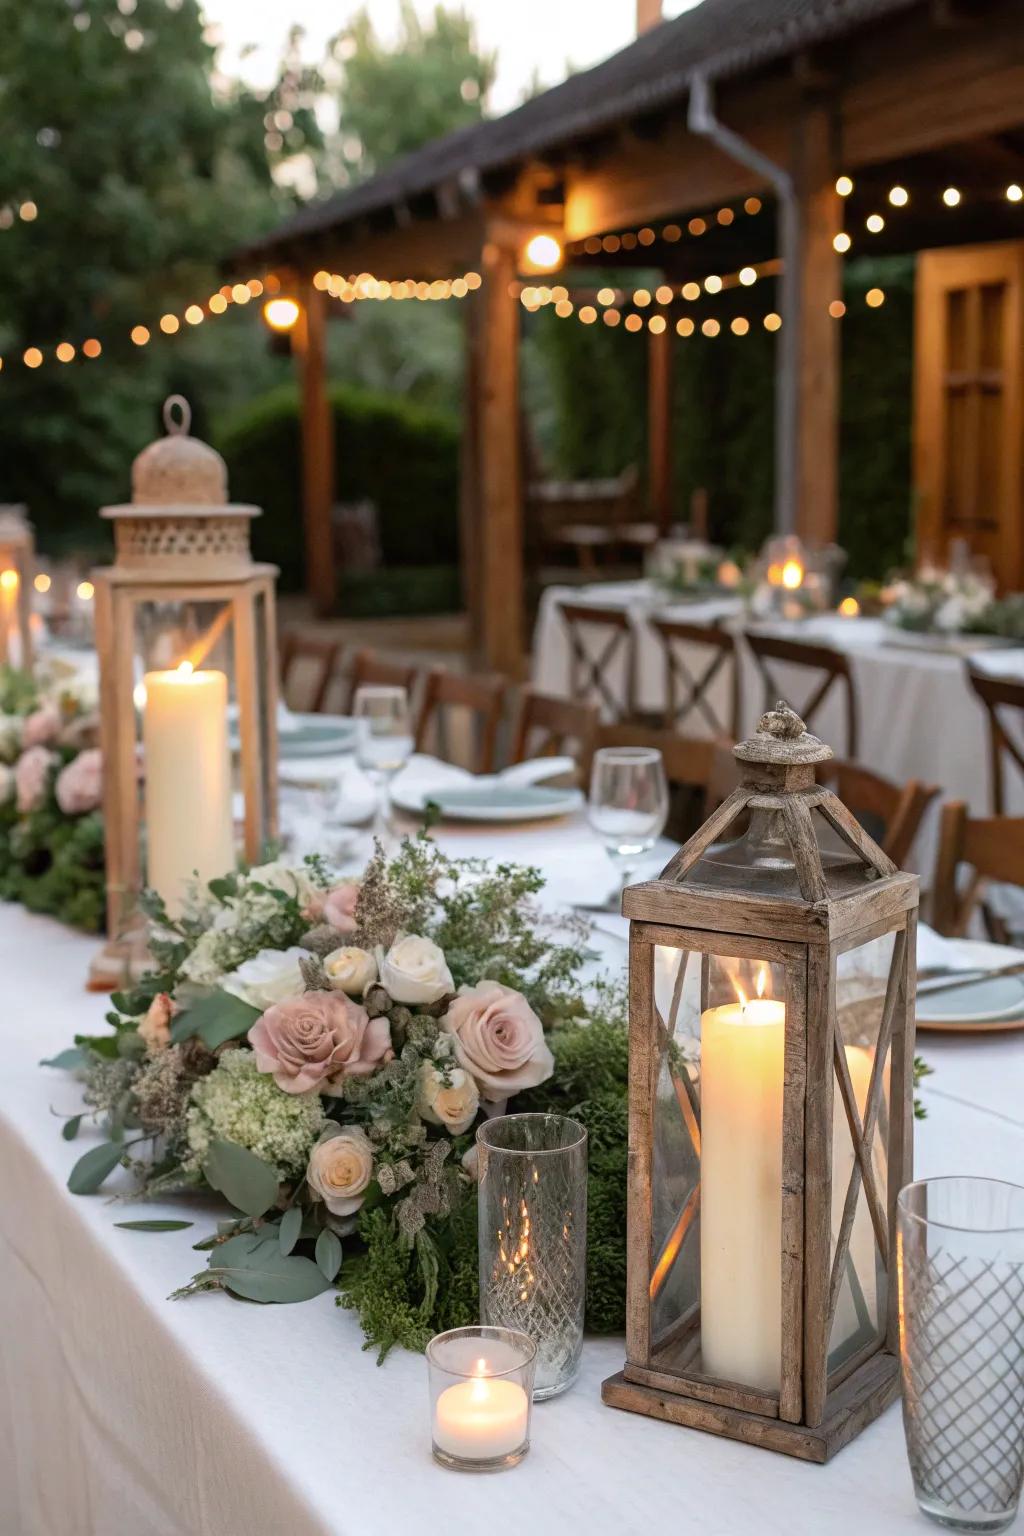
(542, 253)
(186, 635)
(770, 1114)
(17, 571)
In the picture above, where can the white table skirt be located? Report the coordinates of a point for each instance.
(125, 1414)
(918, 716)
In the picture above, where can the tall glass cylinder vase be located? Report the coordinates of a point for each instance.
(533, 1237)
(960, 1270)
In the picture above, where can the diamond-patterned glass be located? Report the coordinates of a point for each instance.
(533, 1237)
(960, 1271)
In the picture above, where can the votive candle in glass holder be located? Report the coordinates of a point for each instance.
(532, 1193)
(481, 1394)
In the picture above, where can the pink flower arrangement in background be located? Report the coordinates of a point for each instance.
(41, 726)
(31, 773)
(79, 786)
(337, 907)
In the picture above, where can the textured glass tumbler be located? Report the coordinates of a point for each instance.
(533, 1237)
(960, 1270)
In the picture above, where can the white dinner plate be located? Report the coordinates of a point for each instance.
(491, 802)
(311, 736)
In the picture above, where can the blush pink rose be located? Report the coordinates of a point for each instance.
(499, 1039)
(316, 1040)
(41, 726)
(31, 773)
(79, 786)
(339, 908)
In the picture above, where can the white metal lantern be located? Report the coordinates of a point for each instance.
(186, 635)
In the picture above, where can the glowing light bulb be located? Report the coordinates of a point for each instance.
(169, 324)
(874, 298)
(281, 314)
(713, 284)
(899, 197)
(1014, 193)
(748, 276)
(86, 591)
(42, 582)
(194, 315)
(32, 357)
(842, 243)
(874, 223)
(844, 185)
(685, 327)
(140, 335)
(772, 321)
(951, 197)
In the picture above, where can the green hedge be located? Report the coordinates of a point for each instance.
(403, 458)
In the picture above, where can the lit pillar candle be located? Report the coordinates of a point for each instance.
(742, 1057)
(480, 1419)
(10, 640)
(188, 780)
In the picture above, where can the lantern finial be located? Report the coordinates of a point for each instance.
(782, 738)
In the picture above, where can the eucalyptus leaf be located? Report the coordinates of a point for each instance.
(291, 1226)
(241, 1177)
(71, 1127)
(68, 1060)
(268, 1275)
(217, 1018)
(153, 1226)
(328, 1253)
(94, 1166)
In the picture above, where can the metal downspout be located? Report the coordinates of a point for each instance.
(701, 119)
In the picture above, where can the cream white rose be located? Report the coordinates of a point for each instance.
(340, 1168)
(350, 969)
(450, 1098)
(414, 970)
(282, 877)
(272, 976)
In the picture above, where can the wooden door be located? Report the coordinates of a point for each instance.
(968, 400)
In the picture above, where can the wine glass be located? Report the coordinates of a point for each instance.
(628, 804)
(383, 743)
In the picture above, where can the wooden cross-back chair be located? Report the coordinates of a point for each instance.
(833, 666)
(548, 726)
(998, 694)
(317, 657)
(700, 770)
(368, 668)
(992, 847)
(891, 813)
(687, 689)
(483, 697)
(601, 642)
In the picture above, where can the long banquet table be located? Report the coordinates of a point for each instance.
(123, 1413)
(918, 716)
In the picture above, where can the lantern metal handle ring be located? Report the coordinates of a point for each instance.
(177, 425)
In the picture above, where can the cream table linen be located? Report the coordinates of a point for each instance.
(125, 1414)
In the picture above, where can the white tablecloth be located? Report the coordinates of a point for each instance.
(125, 1414)
(918, 716)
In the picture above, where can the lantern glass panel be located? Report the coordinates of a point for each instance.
(756, 856)
(859, 1284)
(716, 1175)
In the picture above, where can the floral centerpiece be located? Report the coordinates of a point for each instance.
(938, 602)
(319, 1055)
(51, 832)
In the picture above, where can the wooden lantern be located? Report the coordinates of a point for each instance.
(770, 1114)
(183, 596)
(17, 572)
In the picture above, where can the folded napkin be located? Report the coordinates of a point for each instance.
(934, 953)
(423, 776)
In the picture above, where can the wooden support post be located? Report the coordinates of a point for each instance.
(317, 449)
(814, 350)
(500, 525)
(469, 473)
(659, 427)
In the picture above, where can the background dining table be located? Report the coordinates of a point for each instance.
(125, 1413)
(919, 718)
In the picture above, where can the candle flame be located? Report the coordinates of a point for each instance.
(849, 608)
(792, 575)
(762, 980)
(185, 669)
(9, 579)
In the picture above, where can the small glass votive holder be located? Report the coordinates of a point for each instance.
(481, 1397)
(960, 1271)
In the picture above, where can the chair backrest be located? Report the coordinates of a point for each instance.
(833, 666)
(687, 689)
(308, 661)
(369, 668)
(602, 657)
(482, 697)
(549, 726)
(993, 849)
(996, 694)
(891, 813)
